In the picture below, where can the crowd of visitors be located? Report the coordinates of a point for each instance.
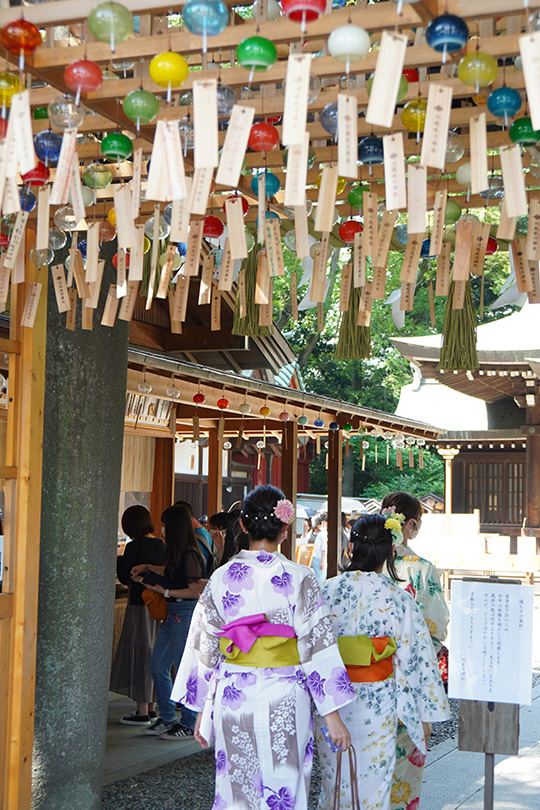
(272, 660)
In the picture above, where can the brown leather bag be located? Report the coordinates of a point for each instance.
(355, 801)
(156, 604)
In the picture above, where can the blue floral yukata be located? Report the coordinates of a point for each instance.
(262, 716)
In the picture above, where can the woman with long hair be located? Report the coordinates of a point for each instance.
(421, 579)
(184, 567)
(260, 649)
(389, 657)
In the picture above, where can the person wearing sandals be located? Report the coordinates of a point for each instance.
(183, 569)
(130, 671)
(421, 579)
(261, 648)
(389, 656)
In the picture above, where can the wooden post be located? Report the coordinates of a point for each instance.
(532, 466)
(289, 479)
(215, 472)
(335, 469)
(448, 453)
(162, 494)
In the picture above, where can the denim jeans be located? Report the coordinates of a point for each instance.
(168, 650)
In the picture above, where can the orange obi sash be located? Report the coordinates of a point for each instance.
(368, 660)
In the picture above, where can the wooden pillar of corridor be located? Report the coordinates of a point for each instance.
(532, 509)
(215, 473)
(162, 494)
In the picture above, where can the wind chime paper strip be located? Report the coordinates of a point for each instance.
(87, 318)
(18, 274)
(261, 206)
(136, 257)
(521, 266)
(153, 258)
(386, 231)
(110, 308)
(62, 176)
(121, 283)
(181, 298)
(125, 226)
(385, 87)
(320, 261)
(72, 311)
(301, 231)
(345, 288)
(359, 261)
(166, 272)
(193, 250)
(371, 223)
(294, 297)
(21, 119)
(236, 227)
(78, 272)
(226, 271)
(479, 153)
(532, 250)
(241, 293)
(200, 191)
(320, 317)
(60, 287)
(395, 187)
(365, 306)
(16, 239)
(31, 304)
(507, 225)
(95, 288)
(462, 251)
(234, 148)
(176, 326)
(480, 237)
(515, 194)
(92, 251)
(406, 301)
(12, 202)
(295, 179)
(347, 135)
(529, 48)
(265, 310)
(411, 258)
(534, 293)
(215, 309)
(458, 299)
(129, 301)
(43, 214)
(205, 124)
(157, 182)
(378, 283)
(274, 251)
(435, 139)
(262, 283)
(296, 99)
(180, 216)
(437, 232)
(76, 194)
(136, 183)
(205, 289)
(174, 161)
(417, 199)
(324, 213)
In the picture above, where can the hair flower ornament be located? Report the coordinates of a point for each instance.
(284, 511)
(394, 521)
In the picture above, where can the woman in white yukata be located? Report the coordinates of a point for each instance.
(261, 646)
(387, 650)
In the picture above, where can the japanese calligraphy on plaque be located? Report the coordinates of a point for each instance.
(435, 137)
(384, 91)
(234, 148)
(205, 124)
(296, 99)
(437, 231)
(515, 195)
(347, 135)
(295, 180)
(394, 172)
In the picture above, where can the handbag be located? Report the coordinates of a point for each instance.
(156, 604)
(355, 801)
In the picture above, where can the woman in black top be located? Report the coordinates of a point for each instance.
(130, 673)
(184, 566)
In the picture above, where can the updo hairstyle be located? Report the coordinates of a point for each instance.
(257, 513)
(372, 545)
(404, 503)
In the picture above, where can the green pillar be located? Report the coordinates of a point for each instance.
(85, 389)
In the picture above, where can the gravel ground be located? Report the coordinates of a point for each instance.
(189, 782)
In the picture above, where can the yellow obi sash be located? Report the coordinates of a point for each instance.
(368, 659)
(267, 651)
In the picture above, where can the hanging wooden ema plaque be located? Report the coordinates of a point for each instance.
(236, 227)
(347, 136)
(479, 154)
(205, 124)
(31, 304)
(533, 232)
(435, 138)
(324, 213)
(153, 257)
(394, 172)
(521, 266)
(205, 289)
(480, 238)
(295, 179)
(318, 281)
(296, 99)
(359, 261)
(110, 308)
(262, 283)
(234, 148)
(180, 216)
(226, 270)
(463, 250)
(371, 223)
(274, 251)
(417, 199)
(507, 225)
(215, 309)
(129, 301)
(411, 258)
(385, 87)
(301, 231)
(60, 288)
(181, 298)
(166, 271)
(345, 288)
(200, 191)
(193, 250)
(515, 195)
(437, 232)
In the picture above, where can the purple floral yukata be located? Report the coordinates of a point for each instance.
(262, 717)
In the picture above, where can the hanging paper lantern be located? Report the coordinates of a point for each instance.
(328, 118)
(110, 22)
(245, 204)
(412, 75)
(222, 403)
(355, 197)
(504, 102)
(27, 199)
(140, 106)
(370, 150)
(263, 137)
(64, 113)
(212, 227)
(455, 147)
(265, 411)
(284, 416)
(21, 38)
(348, 43)
(348, 229)
(452, 212)
(226, 99)
(273, 9)
(492, 246)
(256, 53)
(522, 132)
(319, 423)
(9, 85)
(413, 115)
(38, 176)
(303, 420)
(464, 174)
(402, 90)
(168, 69)
(272, 184)
(303, 11)
(333, 426)
(116, 146)
(47, 145)
(97, 175)
(57, 239)
(164, 228)
(447, 33)
(244, 408)
(478, 69)
(205, 17)
(199, 398)
(83, 76)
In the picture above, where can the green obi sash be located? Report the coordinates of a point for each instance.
(361, 651)
(267, 651)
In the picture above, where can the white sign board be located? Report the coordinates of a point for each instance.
(491, 642)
